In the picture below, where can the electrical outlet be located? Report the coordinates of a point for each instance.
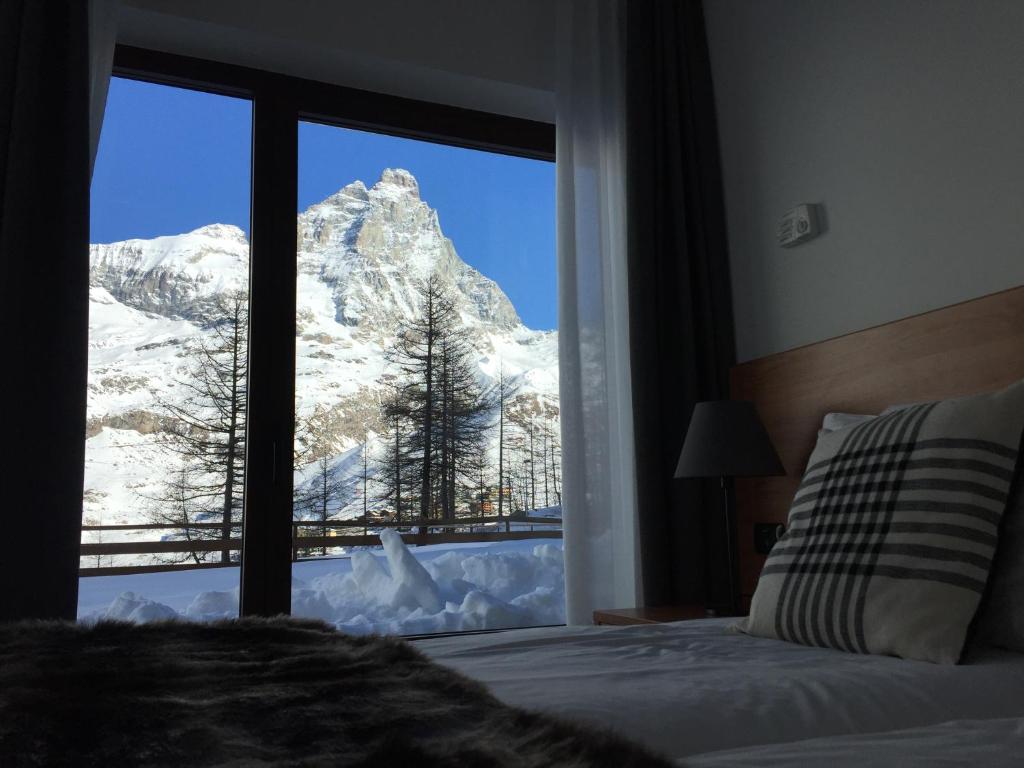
(798, 225)
(765, 536)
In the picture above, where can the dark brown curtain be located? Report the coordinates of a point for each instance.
(44, 283)
(681, 331)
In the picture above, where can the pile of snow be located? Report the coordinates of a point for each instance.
(449, 589)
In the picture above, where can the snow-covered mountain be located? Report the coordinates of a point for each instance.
(362, 254)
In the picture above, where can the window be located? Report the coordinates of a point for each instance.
(403, 348)
(168, 335)
(427, 459)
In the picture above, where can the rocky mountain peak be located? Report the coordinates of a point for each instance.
(398, 179)
(370, 248)
(356, 191)
(374, 247)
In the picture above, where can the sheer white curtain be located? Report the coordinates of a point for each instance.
(599, 491)
(102, 38)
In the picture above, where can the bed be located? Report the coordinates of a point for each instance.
(695, 693)
(693, 687)
(705, 696)
(995, 743)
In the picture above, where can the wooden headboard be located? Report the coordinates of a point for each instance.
(976, 346)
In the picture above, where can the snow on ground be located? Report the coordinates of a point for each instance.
(436, 588)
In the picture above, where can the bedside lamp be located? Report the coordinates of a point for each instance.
(727, 439)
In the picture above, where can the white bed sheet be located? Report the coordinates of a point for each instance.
(692, 687)
(989, 743)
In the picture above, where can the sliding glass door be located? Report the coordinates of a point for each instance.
(323, 371)
(168, 356)
(427, 459)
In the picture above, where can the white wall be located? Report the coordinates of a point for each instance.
(905, 118)
(493, 55)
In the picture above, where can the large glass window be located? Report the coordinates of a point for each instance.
(427, 458)
(168, 333)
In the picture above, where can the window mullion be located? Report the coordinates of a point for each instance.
(266, 548)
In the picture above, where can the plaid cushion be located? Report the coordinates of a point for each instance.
(892, 531)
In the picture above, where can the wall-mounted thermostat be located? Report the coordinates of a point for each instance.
(798, 225)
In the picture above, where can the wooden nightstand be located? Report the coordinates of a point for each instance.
(658, 615)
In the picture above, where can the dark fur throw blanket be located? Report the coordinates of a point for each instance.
(273, 692)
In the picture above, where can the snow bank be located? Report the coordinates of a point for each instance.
(438, 590)
(451, 592)
(131, 607)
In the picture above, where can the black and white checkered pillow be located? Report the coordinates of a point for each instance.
(892, 532)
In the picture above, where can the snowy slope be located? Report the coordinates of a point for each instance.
(362, 253)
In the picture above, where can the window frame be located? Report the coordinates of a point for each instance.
(279, 103)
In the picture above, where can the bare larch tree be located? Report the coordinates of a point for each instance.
(206, 428)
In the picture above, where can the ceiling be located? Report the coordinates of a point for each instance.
(497, 56)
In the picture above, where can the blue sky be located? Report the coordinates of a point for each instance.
(172, 160)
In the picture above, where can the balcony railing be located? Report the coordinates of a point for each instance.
(494, 528)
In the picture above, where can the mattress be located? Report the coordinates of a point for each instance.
(991, 743)
(694, 687)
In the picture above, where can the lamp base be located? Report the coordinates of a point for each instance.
(728, 545)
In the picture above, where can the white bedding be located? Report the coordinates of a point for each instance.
(692, 687)
(988, 743)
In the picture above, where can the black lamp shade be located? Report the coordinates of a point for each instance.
(727, 439)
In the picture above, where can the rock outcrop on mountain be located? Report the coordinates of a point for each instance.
(176, 275)
(373, 247)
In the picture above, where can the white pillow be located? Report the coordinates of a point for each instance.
(836, 421)
(1001, 618)
(900, 407)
